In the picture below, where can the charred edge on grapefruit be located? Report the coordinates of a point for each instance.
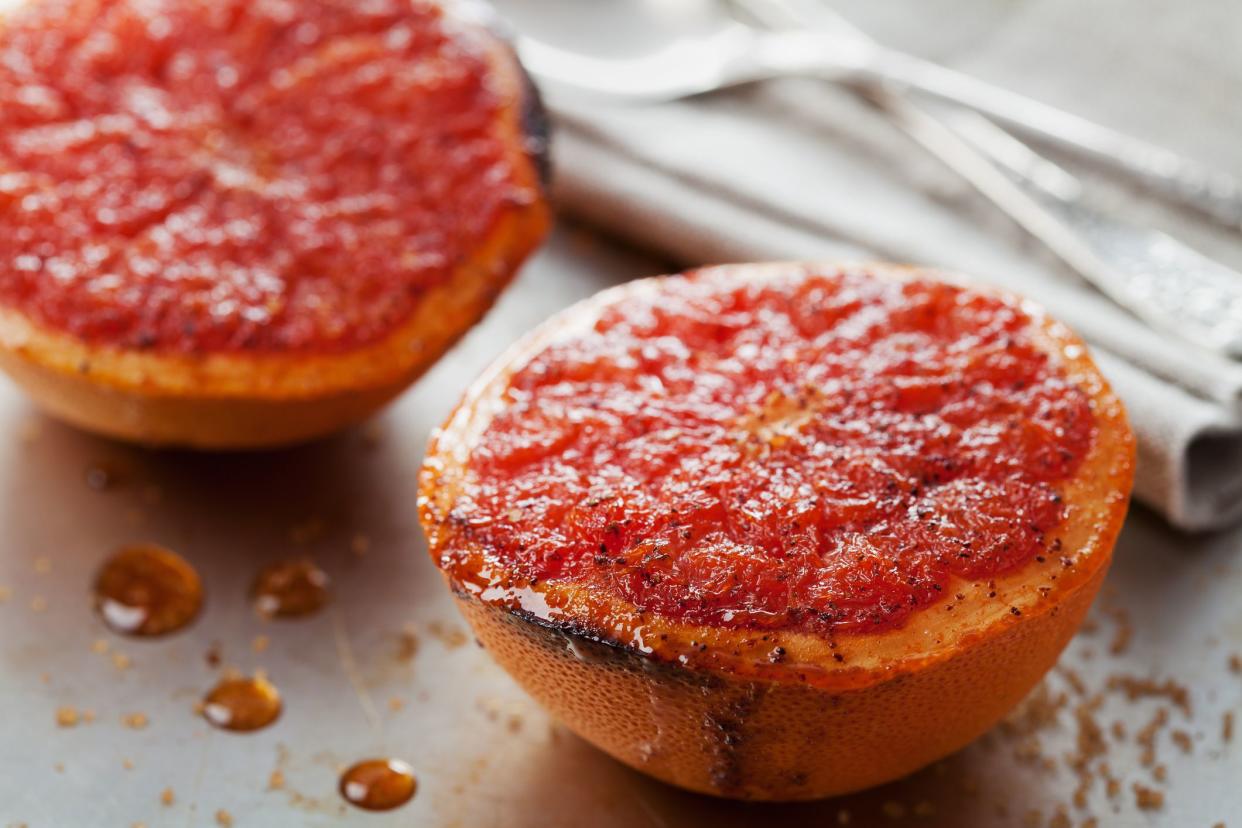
(717, 710)
(732, 698)
(571, 631)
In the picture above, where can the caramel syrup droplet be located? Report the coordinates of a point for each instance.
(378, 784)
(240, 703)
(147, 590)
(290, 588)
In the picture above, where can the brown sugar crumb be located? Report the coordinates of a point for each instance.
(1182, 739)
(1143, 688)
(1226, 726)
(167, 797)
(224, 818)
(100, 645)
(1124, 632)
(135, 721)
(121, 661)
(1090, 822)
(1074, 680)
(893, 809)
(276, 781)
(66, 716)
(127, 763)
(1147, 799)
(260, 643)
(1160, 773)
(1060, 819)
(396, 703)
(214, 655)
(1090, 745)
(1235, 663)
(450, 636)
(5, 594)
(1119, 730)
(1112, 785)
(308, 531)
(1029, 751)
(88, 716)
(1037, 711)
(1146, 737)
(407, 644)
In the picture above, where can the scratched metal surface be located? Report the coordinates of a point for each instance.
(483, 752)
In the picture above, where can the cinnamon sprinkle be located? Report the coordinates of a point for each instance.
(1147, 799)
(1139, 688)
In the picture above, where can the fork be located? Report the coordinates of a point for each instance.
(739, 54)
(1157, 278)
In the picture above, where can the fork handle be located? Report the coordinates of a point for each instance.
(1210, 192)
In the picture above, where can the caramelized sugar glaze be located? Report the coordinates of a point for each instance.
(779, 531)
(822, 452)
(378, 784)
(147, 590)
(228, 176)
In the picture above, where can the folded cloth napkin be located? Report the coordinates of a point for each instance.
(797, 169)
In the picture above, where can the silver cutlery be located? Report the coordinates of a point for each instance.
(1156, 277)
(1152, 274)
(739, 54)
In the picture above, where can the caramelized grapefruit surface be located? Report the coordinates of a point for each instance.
(780, 531)
(228, 176)
(787, 449)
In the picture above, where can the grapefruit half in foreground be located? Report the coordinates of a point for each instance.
(782, 531)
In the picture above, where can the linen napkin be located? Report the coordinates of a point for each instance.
(799, 169)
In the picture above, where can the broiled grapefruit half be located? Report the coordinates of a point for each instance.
(227, 224)
(782, 531)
